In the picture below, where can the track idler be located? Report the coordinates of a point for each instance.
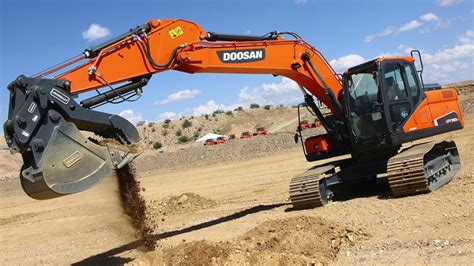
(44, 124)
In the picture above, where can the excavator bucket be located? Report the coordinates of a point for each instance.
(71, 164)
(58, 159)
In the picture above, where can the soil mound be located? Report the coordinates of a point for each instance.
(9, 164)
(199, 253)
(296, 240)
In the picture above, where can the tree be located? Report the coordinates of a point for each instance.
(228, 113)
(187, 123)
(157, 145)
(239, 108)
(267, 107)
(254, 106)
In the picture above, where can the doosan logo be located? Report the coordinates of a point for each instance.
(241, 56)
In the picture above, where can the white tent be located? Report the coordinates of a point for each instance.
(209, 136)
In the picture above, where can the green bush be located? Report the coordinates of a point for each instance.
(178, 133)
(187, 123)
(153, 129)
(228, 113)
(157, 145)
(206, 116)
(267, 107)
(254, 106)
(218, 111)
(183, 139)
(239, 108)
(167, 121)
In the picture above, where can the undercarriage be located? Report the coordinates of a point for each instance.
(418, 169)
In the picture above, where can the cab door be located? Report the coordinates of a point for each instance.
(402, 93)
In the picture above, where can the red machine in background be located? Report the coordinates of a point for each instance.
(261, 131)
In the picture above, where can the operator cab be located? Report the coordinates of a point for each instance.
(380, 95)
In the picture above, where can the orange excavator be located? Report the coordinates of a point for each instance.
(375, 107)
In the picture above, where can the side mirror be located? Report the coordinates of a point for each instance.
(296, 138)
(419, 66)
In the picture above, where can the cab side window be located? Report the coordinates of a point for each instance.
(399, 103)
(412, 86)
(395, 86)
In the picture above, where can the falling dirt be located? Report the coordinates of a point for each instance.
(134, 204)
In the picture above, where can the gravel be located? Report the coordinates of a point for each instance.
(234, 150)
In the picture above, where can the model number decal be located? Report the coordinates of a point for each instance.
(446, 119)
(241, 56)
(72, 159)
(60, 96)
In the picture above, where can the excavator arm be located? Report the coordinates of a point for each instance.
(45, 122)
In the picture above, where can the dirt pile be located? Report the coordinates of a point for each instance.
(187, 202)
(9, 164)
(201, 155)
(296, 240)
(464, 89)
(134, 205)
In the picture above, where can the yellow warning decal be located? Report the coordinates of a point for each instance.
(176, 32)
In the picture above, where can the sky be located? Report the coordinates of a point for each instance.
(38, 34)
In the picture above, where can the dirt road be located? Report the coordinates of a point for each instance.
(238, 212)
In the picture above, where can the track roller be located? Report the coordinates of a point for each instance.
(308, 190)
(423, 168)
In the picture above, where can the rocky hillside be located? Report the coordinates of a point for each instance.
(174, 134)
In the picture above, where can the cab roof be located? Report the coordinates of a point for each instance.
(367, 66)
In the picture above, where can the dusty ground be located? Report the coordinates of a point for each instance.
(238, 212)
